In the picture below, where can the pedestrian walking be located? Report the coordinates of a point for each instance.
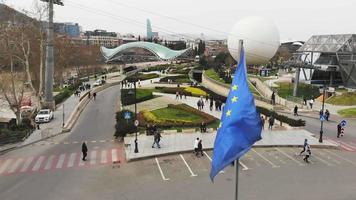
(304, 146)
(202, 104)
(185, 95)
(295, 110)
(304, 101)
(307, 153)
(273, 98)
(211, 104)
(196, 142)
(89, 95)
(177, 95)
(271, 123)
(206, 98)
(199, 105)
(327, 114)
(339, 127)
(200, 148)
(202, 127)
(84, 151)
(311, 102)
(321, 114)
(156, 138)
(263, 122)
(94, 95)
(180, 95)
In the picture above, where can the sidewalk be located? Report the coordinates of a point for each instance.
(183, 142)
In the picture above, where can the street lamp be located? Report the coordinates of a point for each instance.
(134, 80)
(321, 116)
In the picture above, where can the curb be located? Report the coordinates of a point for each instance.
(317, 146)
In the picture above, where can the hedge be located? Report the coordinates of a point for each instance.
(142, 77)
(146, 117)
(176, 79)
(124, 126)
(16, 133)
(174, 90)
(65, 93)
(292, 122)
(141, 95)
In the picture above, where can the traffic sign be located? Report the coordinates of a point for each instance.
(343, 123)
(136, 122)
(322, 118)
(127, 115)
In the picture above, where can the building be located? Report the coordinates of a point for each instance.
(72, 30)
(143, 51)
(327, 59)
(101, 38)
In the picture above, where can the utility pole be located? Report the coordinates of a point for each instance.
(49, 102)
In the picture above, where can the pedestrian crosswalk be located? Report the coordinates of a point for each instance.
(347, 146)
(61, 161)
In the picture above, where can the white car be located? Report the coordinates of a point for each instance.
(98, 82)
(44, 115)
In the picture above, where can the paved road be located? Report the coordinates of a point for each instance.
(348, 142)
(52, 169)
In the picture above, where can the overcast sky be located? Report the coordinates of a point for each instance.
(296, 20)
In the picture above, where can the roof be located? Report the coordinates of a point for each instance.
(330, 43)
(162, 52)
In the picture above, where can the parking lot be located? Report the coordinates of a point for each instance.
(188, 165)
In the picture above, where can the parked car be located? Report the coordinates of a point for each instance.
(44, 115)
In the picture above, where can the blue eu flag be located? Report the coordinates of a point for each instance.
(240, 125)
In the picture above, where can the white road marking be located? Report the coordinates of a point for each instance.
(290, 157)
(265, 159)
(93, 141)
(342, 158)
(5, 165)
(244, 167)
(329, 158)
(207, 155)
(104, 158)
(160, 170)
(102, 140)
(16, 165)
(93, 157)
(348, 146)
(114, 155)
(71, 160)
(186, 164)
(49, 162)
(27, 164)
(322, 160)
(60, 161)
(37, 165)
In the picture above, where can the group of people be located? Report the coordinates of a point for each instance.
(200, 104)
(270, 122)
(127, 84)
(325, 114)
(306, 152)
(82, 88)
(179, 95)
(203, 127)
(198, 147)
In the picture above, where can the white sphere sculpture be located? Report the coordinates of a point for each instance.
(260, 40)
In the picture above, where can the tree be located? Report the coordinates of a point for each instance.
(12, 85)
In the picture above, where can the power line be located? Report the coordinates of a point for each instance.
(186, 22)
(140, 24)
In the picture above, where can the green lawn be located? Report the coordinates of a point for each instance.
(350, 112)
(141, 95)
(176, 114)
(346, 99)
(304, 90)
(211, 73)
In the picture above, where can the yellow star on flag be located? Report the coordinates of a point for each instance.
(220, 125)
(234, 99)
(234, 87)
(228, 113)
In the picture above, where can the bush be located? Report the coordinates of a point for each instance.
(65, 93)
(124, 126)
(195, 91)
(16, 133)
(174, 90)
(282, 118)
(142, 77)
(261, 110)
(176, 79)
(141, 95)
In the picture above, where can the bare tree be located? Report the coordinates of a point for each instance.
(12, 85)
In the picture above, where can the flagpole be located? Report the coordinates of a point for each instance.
(237, 163)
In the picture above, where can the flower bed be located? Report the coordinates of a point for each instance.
(194, 119)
